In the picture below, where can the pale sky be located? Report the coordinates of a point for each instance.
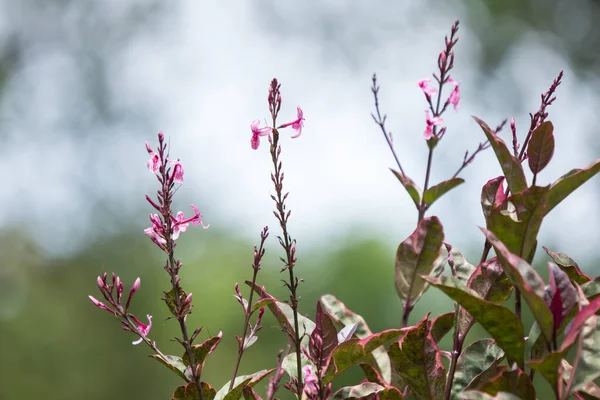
(75, 166)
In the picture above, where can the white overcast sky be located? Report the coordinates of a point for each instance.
(199, 71)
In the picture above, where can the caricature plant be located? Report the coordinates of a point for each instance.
(404, 362)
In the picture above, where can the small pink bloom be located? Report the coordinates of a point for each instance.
(454, 98)
(296, 124)
(156, 238)
(431, 122)
(311, 382)
(428, 90)
(179, 225)
(177, 171)
(154, 161)
(257, 131)
(100, 305)
(142, 329)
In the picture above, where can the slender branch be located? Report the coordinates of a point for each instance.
(258, 254)
(379, 120)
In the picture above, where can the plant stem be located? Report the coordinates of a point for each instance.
(245, 330)
(456, 351)
(287, 244)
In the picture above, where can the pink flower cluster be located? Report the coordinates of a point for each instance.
(257, 131)
(429, 91)
(159, 165)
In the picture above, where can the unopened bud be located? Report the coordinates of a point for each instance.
(100, 305)
(134, 288)
(161, 136)
(187, 301)
(119, 286)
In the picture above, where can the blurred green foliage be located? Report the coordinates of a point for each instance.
(54, 344)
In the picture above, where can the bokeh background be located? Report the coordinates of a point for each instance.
(84, 83)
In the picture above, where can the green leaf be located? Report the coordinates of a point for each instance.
(460, 265)
(189, 392)
(570, 267)
(285, 315)
(171, 300)
(410, 186)
(290, 366)
(548, 366)
(476, 358)
(569, 182)
(490, 281)
(240, 383)
(372, 375)
(174, 363)
(588, 391)
(511, 166)
(528, 281)
(591, 289)
(357, 392)
(250, 394)
(201, 351)
(541, 147)
(500, 322)
(516, 382)
(261, 303)
(518, 219)
(417, 256)
(344, 317)
(441, 325)
(588, 368)
(419, 362)
(350, 352)
(477, 395)
(437, 191)
(492, 195)
(491, 284)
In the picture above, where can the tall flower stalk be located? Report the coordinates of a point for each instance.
(281, 213)
(164, 231)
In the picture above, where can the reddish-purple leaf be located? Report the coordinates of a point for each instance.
(585, 313)
(561, 296)
(343, 316)
(567, 264)
(352, 351)
(189, 392)
(569, 182)
(516, 222)
(440, 325)
(492, 195)
(202, 350)
(541, 147)
(323, 338)
(417, 256)
(511, 166)
(419, 362)
(516, 382)
(410, 186)
(528, 281)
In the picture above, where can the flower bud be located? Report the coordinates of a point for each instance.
(134, 288)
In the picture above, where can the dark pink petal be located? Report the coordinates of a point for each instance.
(142, 329)
(428, 90)
(100, 305)
(255, 141)
(178, 172)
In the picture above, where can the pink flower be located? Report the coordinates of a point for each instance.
(142, 329)
(257, 131)
(311, 383)
(154, 161)
(180, 223)
(177, 171)
(296, 124)
(428, 90)
(431, 122)
(454, 98)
